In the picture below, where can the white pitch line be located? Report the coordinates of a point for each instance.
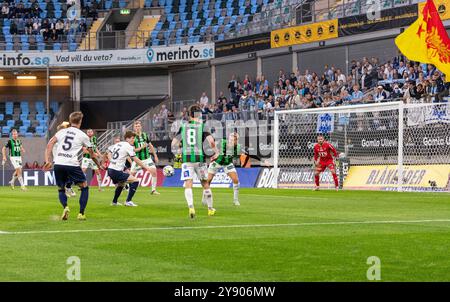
(229, 226)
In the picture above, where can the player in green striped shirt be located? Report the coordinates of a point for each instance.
(87, 162)
(142, 148)
(192, 137)
(229, 150)
(14, 144)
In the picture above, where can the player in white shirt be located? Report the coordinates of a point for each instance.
(118, 155)
(66, 165)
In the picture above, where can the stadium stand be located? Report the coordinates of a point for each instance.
(190, 21)
(30, 118)
(368, 81)
(43, 25)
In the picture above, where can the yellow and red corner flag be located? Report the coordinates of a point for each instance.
(426, 40)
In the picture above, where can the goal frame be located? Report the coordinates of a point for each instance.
(400, 106)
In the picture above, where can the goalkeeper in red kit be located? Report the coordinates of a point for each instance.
(323, 158)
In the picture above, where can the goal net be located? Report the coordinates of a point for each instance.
(386, 146)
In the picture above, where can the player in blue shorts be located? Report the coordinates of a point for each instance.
(117, 155)
(66, 166)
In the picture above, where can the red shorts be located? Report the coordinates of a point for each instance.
(323, 165)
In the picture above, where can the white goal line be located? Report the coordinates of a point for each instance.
(237, 226)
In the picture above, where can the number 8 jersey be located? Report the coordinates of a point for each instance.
(70, 141)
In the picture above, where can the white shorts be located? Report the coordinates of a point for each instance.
(135, 167)
(16, 162)
(88, 163)
(188, 170)
(214, 168)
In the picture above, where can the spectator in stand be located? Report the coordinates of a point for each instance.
(357, 96)
(380, 95)
(204, 100)
(232, 87)
(5, 10)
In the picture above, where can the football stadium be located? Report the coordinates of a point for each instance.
(225, 141)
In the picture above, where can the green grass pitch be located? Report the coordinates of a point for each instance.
(275, 235)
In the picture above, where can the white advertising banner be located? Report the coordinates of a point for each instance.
(153, 55)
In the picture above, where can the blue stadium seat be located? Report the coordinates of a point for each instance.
(1, 116)
(40, 129)
(208, 22)
(158, 25)
(24, 116)
(161, 2)
(6, 130)
(26, 123)
(40, 116)
(58, 14)
(241, 11)
(194, 15)
(178, 40)
(170, 17)
(196, 23)
(23, 130)
(233, 19)
(23, 38)
(179, 32)
(205, 14)
(254, 9)
(122, 3)
(40, 46)
(215, 28)
(108, 4)
(73, 46)
(221, 20)
(28, 134)
(39, 38)
(10, 123)
(183, 16)
(227, 28)
(43, 14)
(168, 9)
(172, 25)
(26, 46)
(57, 46)
(8, 38)
(185, 23)
(9, 110)
(42, 123)
(182, 8)
(191, 31)
(217, 12)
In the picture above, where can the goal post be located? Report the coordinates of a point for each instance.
(387, 146)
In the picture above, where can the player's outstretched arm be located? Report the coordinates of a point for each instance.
(213, 146)
(48, 151)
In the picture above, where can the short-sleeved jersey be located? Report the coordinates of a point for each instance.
(325, 152)
(93, 141)
(70, 142)
(119, 153)
(227, 153)
(14, 147)
(192, 138)
(139, 141)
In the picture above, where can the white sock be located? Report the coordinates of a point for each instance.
(208, 196)
(13, 179)
(154, 182)
(236, 192)
(99, 180)
(203, 197)
(20, 180)
(189, 197)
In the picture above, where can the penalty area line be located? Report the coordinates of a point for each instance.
(236, 226)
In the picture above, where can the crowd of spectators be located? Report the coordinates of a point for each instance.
(26, 20)
(367, 81)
